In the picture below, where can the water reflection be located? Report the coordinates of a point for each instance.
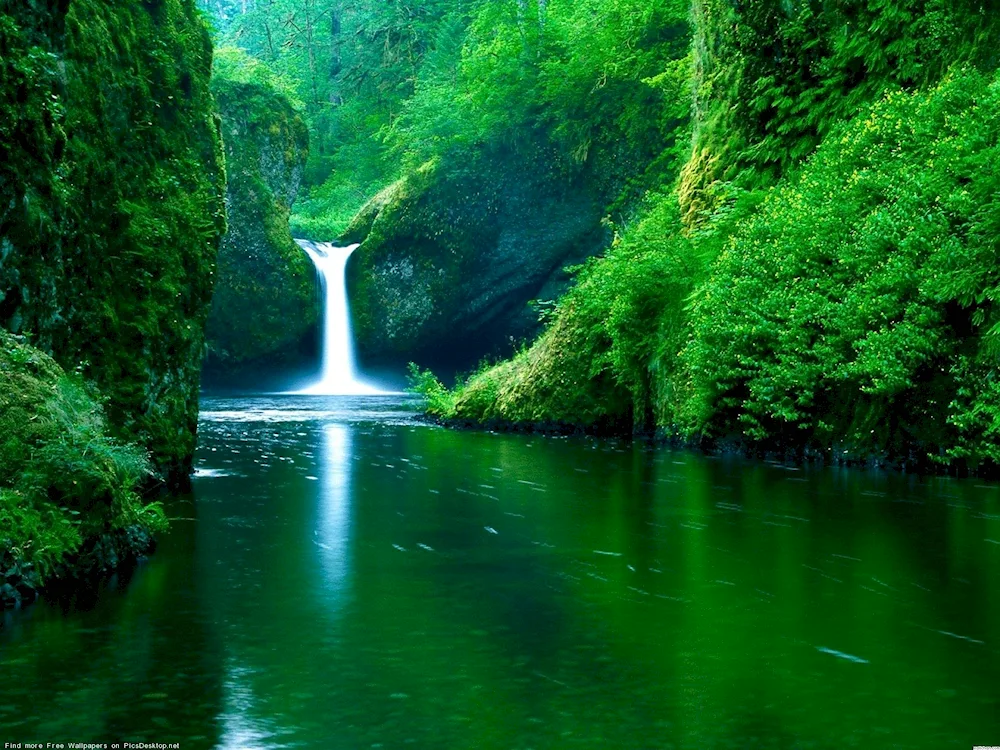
(333, 528)
(139, 662)
(355, 581)
(242, 727)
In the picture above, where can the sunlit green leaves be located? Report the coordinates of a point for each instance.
(865, 274)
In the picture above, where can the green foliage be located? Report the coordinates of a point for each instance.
(63, 479)
(773, 77)
(974, 412)
(612, 340)
(592, 82)
(853, 305)
(438, 400)
(36, 535)
(232, 65)
(865, 284)
(390, 86)
(556, 382)
(500, 128)
(816, 267)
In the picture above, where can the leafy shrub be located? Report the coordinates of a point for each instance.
(849, 304)
(438, 401)
(773, 77)
(852, 305)
(612, 340)
(63, 480)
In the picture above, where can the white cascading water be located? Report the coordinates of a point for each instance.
(339, 374)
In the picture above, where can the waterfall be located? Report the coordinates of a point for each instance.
(339, 370)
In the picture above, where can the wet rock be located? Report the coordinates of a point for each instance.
(10, 597)
(265, 305)
(453, 254)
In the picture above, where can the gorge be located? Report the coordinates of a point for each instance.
(711, 286)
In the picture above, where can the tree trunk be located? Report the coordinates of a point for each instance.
(336, 59)
(310, 51)
(270, 39)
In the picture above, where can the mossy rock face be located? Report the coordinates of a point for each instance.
(265, 302)
(69, 500)
(112, 202)
(454, 253)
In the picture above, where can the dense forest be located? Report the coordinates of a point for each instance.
(780, 219)
(765, 224)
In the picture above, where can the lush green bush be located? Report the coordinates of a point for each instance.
(438, 400)
(63, 479)
(850, 306)
(232, 67)
(772, 78)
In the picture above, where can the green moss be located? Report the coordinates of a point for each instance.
(410, 271)
(64, 481)
(823, 275)
(455, 251)
(591, 367)
(772, 77)
(111, 182)
(555, 382)
(264, 303)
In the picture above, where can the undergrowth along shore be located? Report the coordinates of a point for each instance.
(71, 496)
(797, 455)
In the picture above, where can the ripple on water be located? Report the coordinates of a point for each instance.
(206, 473)
(395, 410)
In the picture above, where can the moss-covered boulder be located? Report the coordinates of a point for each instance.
(112, 202)
(265, 303)
(69, 501)
(453, 253)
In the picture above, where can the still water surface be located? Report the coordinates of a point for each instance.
(345, 577)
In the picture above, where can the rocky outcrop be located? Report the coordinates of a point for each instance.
(111, 202)
(452, 255)
(265, 303)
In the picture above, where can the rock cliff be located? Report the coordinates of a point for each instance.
(265, 304)
(111, 202)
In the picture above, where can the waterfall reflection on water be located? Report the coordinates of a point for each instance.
(334, 524)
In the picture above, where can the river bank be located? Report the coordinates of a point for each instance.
(98, 558)
(71, 492)
(915, 462)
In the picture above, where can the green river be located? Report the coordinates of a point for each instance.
(344, 576)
